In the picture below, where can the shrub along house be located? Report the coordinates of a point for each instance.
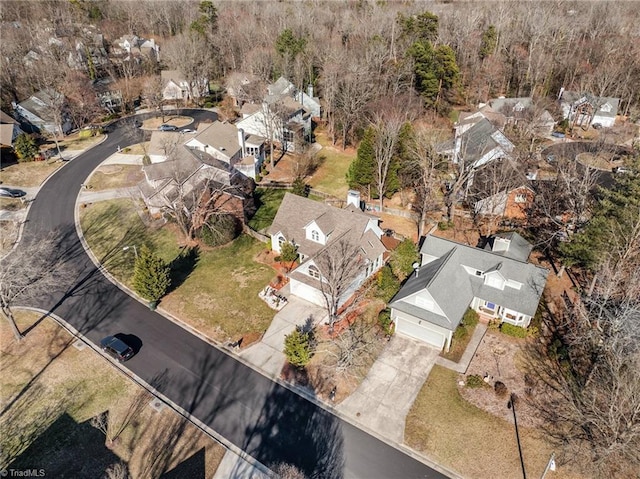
(315, 228)
(496, 281)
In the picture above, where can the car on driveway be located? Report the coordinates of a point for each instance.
(116, 348)
(166, 127)
(11, 193)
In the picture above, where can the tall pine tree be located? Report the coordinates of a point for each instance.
(151, 275)
(361, 171)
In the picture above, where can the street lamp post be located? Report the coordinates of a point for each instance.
(135, 250)
(512, 405)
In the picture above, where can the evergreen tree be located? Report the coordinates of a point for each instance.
(25, 147)
(422, 27)
(489, 42)
(288, 254)
(151, 275)
(300, 188)
(436, 71)
(403, 258)
(361, 171)
(613, 228)
(298, 348)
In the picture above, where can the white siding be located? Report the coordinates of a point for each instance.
(307, 292)
(420, 329)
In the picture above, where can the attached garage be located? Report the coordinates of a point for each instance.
(304, 291)
(420, 329)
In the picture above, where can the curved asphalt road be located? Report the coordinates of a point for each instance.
(269, 422)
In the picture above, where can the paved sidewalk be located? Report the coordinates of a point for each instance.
(267, 354)
(89, 196)
(384, 398)
(233, 466)
(474, 342)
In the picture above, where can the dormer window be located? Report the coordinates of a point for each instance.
(521, 198)
(315, 236)
(314, 272)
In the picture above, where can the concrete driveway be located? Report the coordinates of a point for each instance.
(385, 397)
(267, 355)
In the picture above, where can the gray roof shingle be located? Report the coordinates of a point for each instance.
(453, 288)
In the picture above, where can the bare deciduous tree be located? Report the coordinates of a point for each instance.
(384, 149)
(32, 269)
(339, 264)
(587, 391)
(423, 173)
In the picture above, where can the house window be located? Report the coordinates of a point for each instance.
(314, 272)
(281, 240)
(288, 136)
(478, 273)
(520, 198)
(490, 306)
(315, 236)
(510, 316)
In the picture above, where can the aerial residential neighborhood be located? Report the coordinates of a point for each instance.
(341, 239)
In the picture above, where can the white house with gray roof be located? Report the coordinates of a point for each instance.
(313, 227)
(496, 281)
(584, 109)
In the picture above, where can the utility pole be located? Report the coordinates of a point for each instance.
(512, 405)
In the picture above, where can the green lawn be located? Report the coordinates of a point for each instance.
(469, 440)
(330, 177)
(268, 201)
(217, 290)
(110, 226)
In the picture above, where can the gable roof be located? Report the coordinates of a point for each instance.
(175, 76)
(296, 212)
(38, 103)
(482, 138)
(220, 135)
(447, 274)
(598, 103)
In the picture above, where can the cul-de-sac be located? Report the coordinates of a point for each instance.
(319, 239)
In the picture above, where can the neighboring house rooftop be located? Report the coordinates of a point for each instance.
(220, 135)
(39, 103)
(8, 129)
(172, 75)
(453, 288)
(603, 106)
(482, 138)
(297, 212)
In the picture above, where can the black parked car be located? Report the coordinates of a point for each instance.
(11, 193)
(116, 348)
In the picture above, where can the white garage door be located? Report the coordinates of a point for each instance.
(420, 332)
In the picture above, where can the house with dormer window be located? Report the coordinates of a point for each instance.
(314, 228)
(497, 281)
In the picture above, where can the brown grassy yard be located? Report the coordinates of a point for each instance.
(330, 177)
(115, 176)
(154, 123)
(51, 390)
(28, 174)
(469, 440)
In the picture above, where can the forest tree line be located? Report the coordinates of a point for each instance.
(357, 54)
